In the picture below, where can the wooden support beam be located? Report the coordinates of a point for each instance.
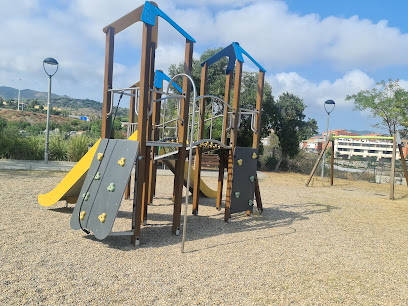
(199, 151)
(392, 174)
(130, 19)
(223, 155)
(131, 120)
(182, 135)
(317, 163)
(332, 163)
(155, 130)
(141, 128)
(257, 133)
(234, 134)
(107, 84)
(404, 166)
(149, 125)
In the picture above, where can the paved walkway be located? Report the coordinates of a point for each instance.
(64, 166)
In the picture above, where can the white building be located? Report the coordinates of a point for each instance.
(378, 148)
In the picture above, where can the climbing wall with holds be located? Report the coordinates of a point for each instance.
(243, 179)
(104, 186)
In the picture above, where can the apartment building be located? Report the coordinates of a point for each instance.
(346, 148)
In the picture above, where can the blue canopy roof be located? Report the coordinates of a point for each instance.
(159, 76)
(234, 52)
(149, 16)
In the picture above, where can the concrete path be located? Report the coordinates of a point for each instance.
(64, 166)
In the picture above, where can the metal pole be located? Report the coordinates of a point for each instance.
(47, 130)
(18, 99)
(325, 141)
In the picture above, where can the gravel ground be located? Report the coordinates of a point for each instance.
(346, 244)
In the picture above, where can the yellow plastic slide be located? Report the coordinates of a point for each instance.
(70, 187)
(206, 191)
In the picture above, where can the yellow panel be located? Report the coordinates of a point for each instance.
(71, 184)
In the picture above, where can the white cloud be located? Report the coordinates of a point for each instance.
(315, 93)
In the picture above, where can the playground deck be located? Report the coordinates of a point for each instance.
(318, 245)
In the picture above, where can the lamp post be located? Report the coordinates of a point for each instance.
(328, 107)
(50, 62)
(18, 98)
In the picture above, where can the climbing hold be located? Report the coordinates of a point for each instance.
(121, 161)
(239, 162)
(86, 196)
(102, 217)
(97, 176)
(252, 178)
(237, 194)
(82, 215)
(250, 202)
(100, 156)
(254, 156)
(111, 187)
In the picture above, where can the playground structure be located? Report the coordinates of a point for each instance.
(396, 143)
(108, 177)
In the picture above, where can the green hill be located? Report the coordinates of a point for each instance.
(65, 104)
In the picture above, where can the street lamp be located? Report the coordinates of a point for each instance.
(50, 62)
(18, 98)
(328, 107)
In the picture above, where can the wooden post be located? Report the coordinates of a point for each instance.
(257, 134)
(392, 174)
(404, 166)
(107, 84)
(148, 136)
(332, 163)
(234, 134)
(198, 156)
(223, 156)
(317, 162)
(153, 164)
(182, 135)
(259, 95)
(141, 129)
(131, 120)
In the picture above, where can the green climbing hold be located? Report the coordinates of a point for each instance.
(252, 178)
(86, 196)
(97, 176)
(111, 187)
(237, 194)
(251, 202)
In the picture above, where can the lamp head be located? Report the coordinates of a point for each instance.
(329, 106)
(51, 62)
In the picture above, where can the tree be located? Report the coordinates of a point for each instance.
(387, 101)
(290, 126)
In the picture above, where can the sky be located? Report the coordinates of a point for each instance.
(315, 49)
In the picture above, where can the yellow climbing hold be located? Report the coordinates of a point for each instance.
(239, 162)
(102, 217)
(254, 156)
(121, 161)
(82, 215)
(100, 156)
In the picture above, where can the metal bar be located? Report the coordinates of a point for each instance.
(200, 134)
(182, 135)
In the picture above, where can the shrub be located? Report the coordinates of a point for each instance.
(77, 147)
(58, 148)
